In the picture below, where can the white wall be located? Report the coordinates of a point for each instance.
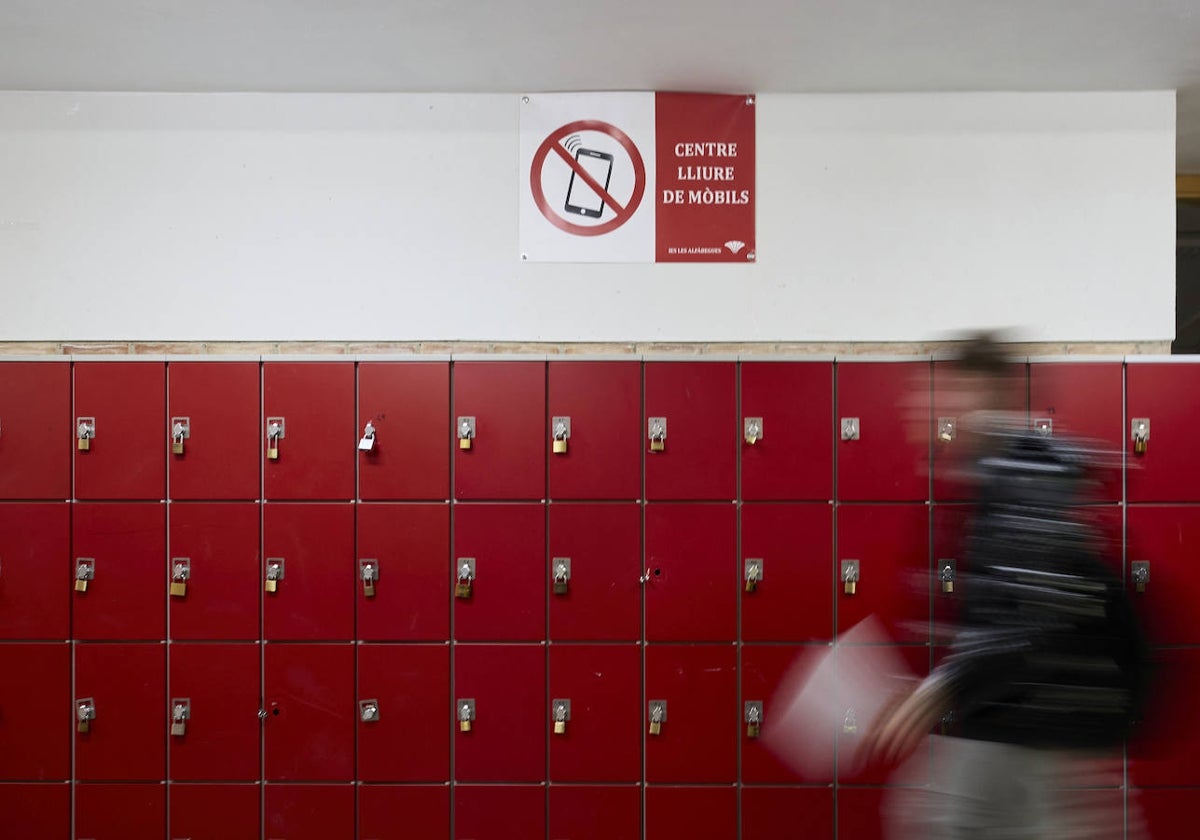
(375, 217)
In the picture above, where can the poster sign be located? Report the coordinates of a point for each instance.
(637, 177)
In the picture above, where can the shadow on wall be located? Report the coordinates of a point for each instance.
(1187, 277)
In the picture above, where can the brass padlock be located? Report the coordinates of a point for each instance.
(655, 727)
(464, 443)
(658, 714)
(947, 573)
(561, 587)
(181, 570)
(851, 587)
(562, 713)
(464, 725)
(560, 430)
(177, 447)
(272, 453)
(754, 715)
(560, 447)
(85, 444)
(562, 575)
(271, 585)
(466, 577)
(1140, 432)
(850, 574)
(85, 430)
(466, 714)
(81, 585)
(276, 431)
(85, 570)
(466, 432)
(753, 574)
(656, 430)
(178, 588)
(560, 727)
(462, 590)
(368, 571)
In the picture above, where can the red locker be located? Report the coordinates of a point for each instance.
(408, 407)
(212, 426)
(403, 812)
(1166, 812)
(699, 444)
(769, 813)
(602, 600)
(595, 813)
(219, 687)
(310, 812)
(511, 812)
(125, 685)
(408, 547)
(36, 432)
(35, 571)
(697, 813)
(600, 406)
(311, 709)
(312, 547)
(1167, 397)
(891, 545)
(1082, 400)
(860, 812)
(120, 408)
(120, 812)
(693, 579)
(408, 689)
(600, 741)
(697, 742)
(215, 812)
(42, 811)
(1163, 747)
(35, 696)
(791, 547)
(861, 769)
(218, 546)
(882, 431)
(1165, 538)
(506, 546)
(503, 405)
(125, 547)
(504, 690)
(763, 670)
(787, 451)
(311, 406)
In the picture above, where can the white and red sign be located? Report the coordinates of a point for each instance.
(637, 177)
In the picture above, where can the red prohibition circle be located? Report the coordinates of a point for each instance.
(539, 161)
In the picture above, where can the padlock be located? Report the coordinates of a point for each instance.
(464, 443)
(368, 571)
(850, 723)
(560, 446)
(466, 432)
(851, 587)
(753, 574)
(850, 574)
(81, 585)
(178, 728)
(180, 712)
(276, 431)
(1140, 432)
(180, 431)
(462, 589)
(177, 447)
(656, 430)
(754, 711)
(178, 588)
(655, 727)
(85, 444)
(560, 727)
(947, 575)
(272, 453)
(85, 570)
(466, 577)
(464, 725)
(560, 432)
(1139, 570)
(466, 714)
(85, 712)
(275, 572)
(658, 714)
(562, 713)
(752, 430)
(562, 575)
(180, 572)
(271, 585)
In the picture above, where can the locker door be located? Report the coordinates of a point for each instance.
(595, 813)
(763, 670)
(35, 571)
(793, 547)
(603, 597)
(770, 813)
(508, 595)
(408, 405)
(791, 457)
(36, 433)
(215, 812)
(1082, 400)
(311, 709)
(1168, 396)
(891, 545)
(315, 401)
(41, 811)
(127, 738)
(511, 812)
(314, 600)
(698, 740)
(507, 739)
(852, 768)
(126, 598)
(1166, 812)
(409, 685)
(410, 547)
(126, 456)
(698, 459)
(1163, 752)
(401, 812)
(691, 553)
(218, 405)
(221, 686)
(881, 431)
(860, 812)
(603, 457)
(35, 704)
(1166, 538)
(120, 812)
(219, 543)
(600, 742)
(310, 812)
(697, 813)
(507, 458)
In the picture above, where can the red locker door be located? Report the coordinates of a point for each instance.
(791, 546)
(771, 813)
(120, 812)
(1082, 400)
(506, 544)
(698, 455)
(218, 543)
(1166, 538)
(41, 811)
(697, 813)
(35, 571)
(504, 403)
(125, 404)
(309, 729)
(1163, 749)
(512, 812)
(35, 742)
(403, 812)
(408, 546)
(35, 430)
(891, 545)
(600, 741)
(505, 687)
(215, 812)
(698, 740)
(310, 812)
(860, 813)
(220, 687)
(882, 431)
(314, 598)
(408, 407)
(600, 403)
(789, 405)
(126, 686)
(1167, 397)
(693, 580)
(216, 405)
(763, 670)
(313, 404)
(409, 688)
(1166, 813)
(602, 600)
(126, 597)
(900, 663)
(595, 813)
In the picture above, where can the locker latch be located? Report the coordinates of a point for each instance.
(1044, 426)
(947, 429)
(754, 573)
(181, 713)
(368, 711)
(850, 428)
(658, 716)
(560, 433)
(276, 431)
(754, 717)
(181, 430)
(368, 572)
(466, 432)
(181, 571)
(850, 574)
(947, 572)
(656, 430)
(1139, 432)
(465, 713)
(1139, 570)
(367, 442)
(85, 713)
(85, 430)
(85, 570)
(561, 710)
(752, 429)
(562, 574)
(274, 573)
(465, 580)
(850, 722)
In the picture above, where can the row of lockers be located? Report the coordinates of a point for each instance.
(671, 430)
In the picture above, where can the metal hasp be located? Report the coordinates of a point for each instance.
(752, 430)
(753, 573)
(658, 716)
(656, 431)
(181, 713)
(464, 713)
(368, 711)
(464, 577)
(560, 433)
(465, 429)
(947, 574)
(560, 575)
(368, 573)
(560, 712)
(1139, 433)
(850, 428)
(850, 576)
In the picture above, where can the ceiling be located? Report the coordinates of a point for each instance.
(765, 46)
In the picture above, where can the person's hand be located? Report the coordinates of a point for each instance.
(901, 724)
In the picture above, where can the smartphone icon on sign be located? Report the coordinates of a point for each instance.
(582, 199)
